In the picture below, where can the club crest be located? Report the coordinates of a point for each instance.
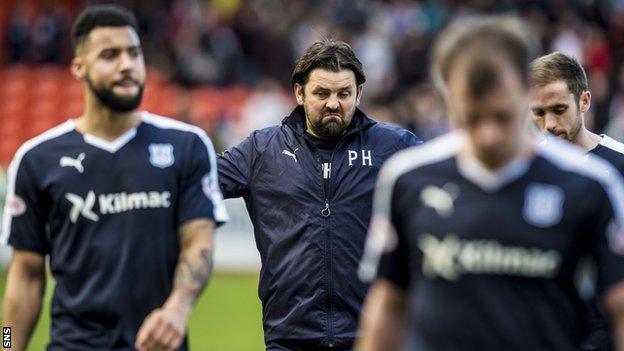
(161, 155)
(543, 205)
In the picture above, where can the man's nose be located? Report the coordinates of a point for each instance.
(550, 122)
(126, 62)
(332, 103)
(491, 133)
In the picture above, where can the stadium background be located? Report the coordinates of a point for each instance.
(225, 65)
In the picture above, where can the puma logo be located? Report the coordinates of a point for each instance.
(291, 154)
(440, 199)
(67, 161)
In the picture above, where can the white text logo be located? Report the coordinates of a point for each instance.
(367, 157)
(327, 170)
(450, 257)
(122, 202)
(116, 203)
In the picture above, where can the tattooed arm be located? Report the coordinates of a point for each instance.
(164, 328)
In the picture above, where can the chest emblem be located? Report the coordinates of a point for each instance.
(440, 199)
(543, 205)
(67, 161)
(291, 154)
(161, 155)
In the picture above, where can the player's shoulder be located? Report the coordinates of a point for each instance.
(173, 131)
(271, 136)
(266, 133)
(41, 142)
(169, 125)
(389, 131)
(612, 144)
(421, 158)
(570, 159)
(612, 151)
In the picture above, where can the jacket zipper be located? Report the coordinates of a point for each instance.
(326, 212)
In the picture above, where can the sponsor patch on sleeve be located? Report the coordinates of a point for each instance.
(615, 236)
(15, 205)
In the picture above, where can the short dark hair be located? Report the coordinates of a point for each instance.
(559, 66)
(484, 40)
(100, 16)
(330, 55)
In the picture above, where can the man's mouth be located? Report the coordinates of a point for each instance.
(126, 82)
(334, 115)
(560, 135)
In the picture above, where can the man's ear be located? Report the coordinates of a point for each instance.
(358, 97)
(77, 68)
(298, 90)
(585, 101)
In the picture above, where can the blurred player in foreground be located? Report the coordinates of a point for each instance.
(308, 186)
(124, 203)
(481, 229)
(559, 99)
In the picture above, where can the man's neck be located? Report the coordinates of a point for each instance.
(311, 133)
(525, 148)
(586, 139)
(102, 122)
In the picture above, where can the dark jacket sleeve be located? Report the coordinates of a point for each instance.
(410, 139)
(235, 167)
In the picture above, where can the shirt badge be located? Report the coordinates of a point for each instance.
(543, 205)
(161, 155)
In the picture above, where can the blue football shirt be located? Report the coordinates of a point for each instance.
(488, 259)
(108, 214)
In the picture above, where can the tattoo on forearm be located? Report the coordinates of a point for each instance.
(193, 273)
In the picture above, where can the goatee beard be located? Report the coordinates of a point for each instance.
(108, 98)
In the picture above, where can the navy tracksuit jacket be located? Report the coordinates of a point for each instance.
(310, 231)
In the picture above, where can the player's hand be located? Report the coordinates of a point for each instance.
(163, 329)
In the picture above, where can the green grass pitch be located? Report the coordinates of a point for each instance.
(226, 318)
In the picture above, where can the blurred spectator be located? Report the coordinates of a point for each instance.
(266, 105)
(18, 36)
(615, 128)
(227, 44)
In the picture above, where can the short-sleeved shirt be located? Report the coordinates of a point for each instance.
(600, 335)
(610, 150)
(489, 258)
(108, 214)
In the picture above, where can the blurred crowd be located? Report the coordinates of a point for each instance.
(254, 43)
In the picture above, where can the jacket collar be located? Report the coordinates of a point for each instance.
(296, 121)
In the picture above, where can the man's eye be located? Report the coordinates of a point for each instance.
(538, 113)
(108, 54)
(560, 111)
(344, 94)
